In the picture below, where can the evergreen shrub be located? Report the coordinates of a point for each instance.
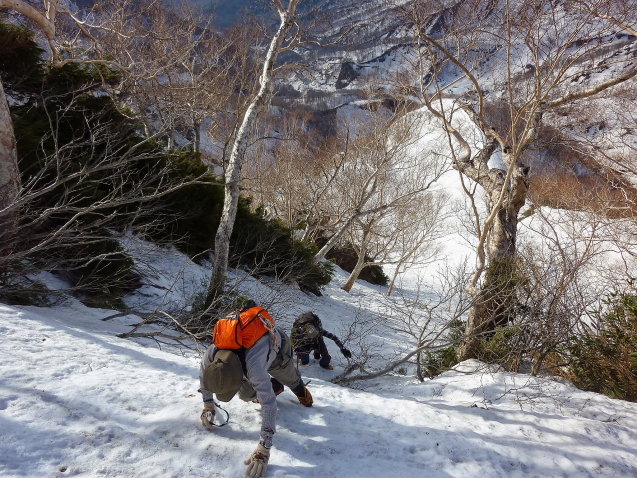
(64, 124)
(265, 247)
(604, 358)
(503, 346)
(438, 361)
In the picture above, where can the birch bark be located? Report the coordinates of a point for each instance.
(240, 144)
(556, 58)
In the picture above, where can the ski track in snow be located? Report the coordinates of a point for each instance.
(75, 397)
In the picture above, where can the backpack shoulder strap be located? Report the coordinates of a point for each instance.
(268, 323)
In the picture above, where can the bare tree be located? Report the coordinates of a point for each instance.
(386, 236)
(177, 73)
(378, 171)
(292, 174)
(619, 13)
(556, 288)
(101, 175)
(280, 42)
(303, 179)
(45, 17)
(358, 179)
(426, 321)
(417, 241)
(508, 67)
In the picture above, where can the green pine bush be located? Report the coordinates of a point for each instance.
(438, 361)
(604, 358)
(264, 247)
(63, 125)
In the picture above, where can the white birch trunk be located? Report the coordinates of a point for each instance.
(360, 262)
(393, 279)
(320, 255)
(237, 155)
(358, 268)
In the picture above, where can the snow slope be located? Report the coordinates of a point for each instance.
(76, 400)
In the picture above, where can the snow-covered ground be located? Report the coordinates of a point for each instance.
(76, 400)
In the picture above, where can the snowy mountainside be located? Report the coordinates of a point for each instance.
(382, 48)
(76, 400)
(362, 38)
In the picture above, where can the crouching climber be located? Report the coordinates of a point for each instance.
(247, 350)
(307, 336)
